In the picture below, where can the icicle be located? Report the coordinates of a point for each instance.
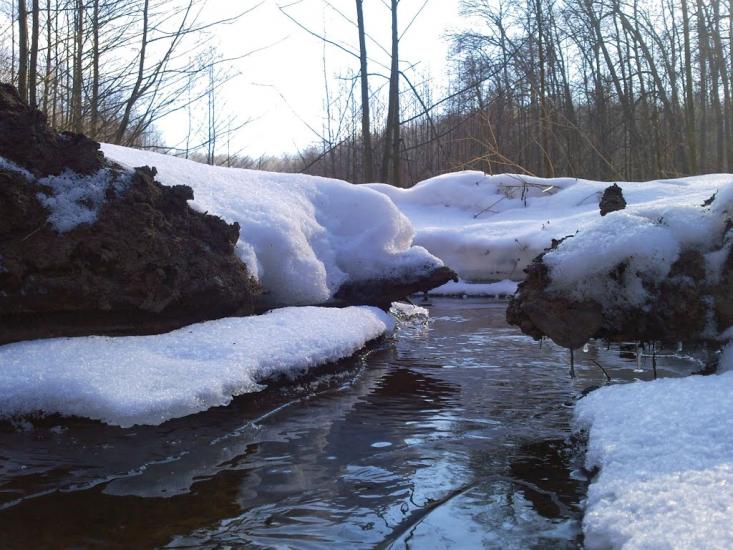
(679, 347)
(586, 348)
(572, 363)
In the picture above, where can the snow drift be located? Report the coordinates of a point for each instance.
(665, 453)
(489, 228)
(302, 236)
(149, 379)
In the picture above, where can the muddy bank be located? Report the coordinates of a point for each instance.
(89, 248)
(627, 300)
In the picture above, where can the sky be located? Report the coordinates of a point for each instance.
(280, 88)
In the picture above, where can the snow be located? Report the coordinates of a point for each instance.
(490, 227)
(74, 199)
(9, 165)
(149, 379)
(409, 312)
(665, 453)
(462, 288)
(301, 236)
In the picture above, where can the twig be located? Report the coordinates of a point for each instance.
(36, 230)
(608, 378)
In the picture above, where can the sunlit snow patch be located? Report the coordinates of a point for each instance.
(462, 288)
(301, 236)
(150, 379)
(665, 453)
(491, 227)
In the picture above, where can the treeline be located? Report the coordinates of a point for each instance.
(112, 68)
(605, 89)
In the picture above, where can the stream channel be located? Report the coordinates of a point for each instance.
(454, 433)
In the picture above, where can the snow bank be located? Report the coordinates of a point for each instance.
(462, 288)
(490, 227)
(150, 379)
(301, 236)
(665, 453)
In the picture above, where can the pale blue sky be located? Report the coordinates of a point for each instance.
(282, 87)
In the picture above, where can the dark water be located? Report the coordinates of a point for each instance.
(454, 435)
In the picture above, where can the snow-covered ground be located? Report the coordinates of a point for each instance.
(149, 379)
(665, 453)
(301, 236)
(489, 228)
(506, 287)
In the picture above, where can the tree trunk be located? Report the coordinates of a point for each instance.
(23, 49)
(94, 107)
(76, 99)
(33, 69)
(366, 133)
(392, 131)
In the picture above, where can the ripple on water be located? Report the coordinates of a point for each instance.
(455, 434)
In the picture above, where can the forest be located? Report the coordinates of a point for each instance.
(609, 89)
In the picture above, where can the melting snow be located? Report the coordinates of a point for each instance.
(75, 198)
(301, 236)
(490, 227)
(665, 453)
(150, 379)
(462, 288)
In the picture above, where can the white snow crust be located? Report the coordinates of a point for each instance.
(149, 379)
(506, 287)
(665, 453)
(301, 236)
(489, 228)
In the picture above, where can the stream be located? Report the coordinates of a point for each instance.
(454, 433)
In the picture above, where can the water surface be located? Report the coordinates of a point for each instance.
(455, 433)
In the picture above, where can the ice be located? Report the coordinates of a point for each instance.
(665, 453)
(489, 228)
(409, 312)
(301, 236)
(150, 379)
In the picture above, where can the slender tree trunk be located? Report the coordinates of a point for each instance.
(47, 79)
(703, 55)
(94, 107)
(689, 94)
(366, 133)
(392, 133)
(76, 99)
(124, 123)
(23, 49)
(33, 68)
(547, 170)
